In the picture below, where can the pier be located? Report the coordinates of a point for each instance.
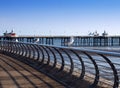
(69, 67)
(79, 41)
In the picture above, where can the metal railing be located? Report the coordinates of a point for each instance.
(70, 66)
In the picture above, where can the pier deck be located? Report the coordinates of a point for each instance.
(15, 74)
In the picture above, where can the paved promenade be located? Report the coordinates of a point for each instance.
(15, 74)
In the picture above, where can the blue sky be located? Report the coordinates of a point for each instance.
(60, 17)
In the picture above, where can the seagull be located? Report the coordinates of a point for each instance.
(71, 41)
(36, 40)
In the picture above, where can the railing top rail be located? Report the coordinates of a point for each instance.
(89, 50)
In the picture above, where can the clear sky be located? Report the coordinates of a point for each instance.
(60, 17)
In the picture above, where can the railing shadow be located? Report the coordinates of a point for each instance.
(21, 75)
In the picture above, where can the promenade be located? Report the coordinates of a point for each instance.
(15, 74)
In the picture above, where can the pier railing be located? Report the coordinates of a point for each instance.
(70, 66)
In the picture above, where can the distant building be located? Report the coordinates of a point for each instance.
(104, 33)
(95, 33)
(11, 34)
(90, 34)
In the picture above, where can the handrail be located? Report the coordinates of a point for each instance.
(69, 65)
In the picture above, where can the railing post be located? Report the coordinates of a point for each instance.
(96, 80)
(62, 59)
(48, 55)
(43, 56)
(37, 51)
(71, 61)
(116, 78)
(82, 64)
(55, 59)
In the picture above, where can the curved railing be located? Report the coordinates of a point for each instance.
(78, 68)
